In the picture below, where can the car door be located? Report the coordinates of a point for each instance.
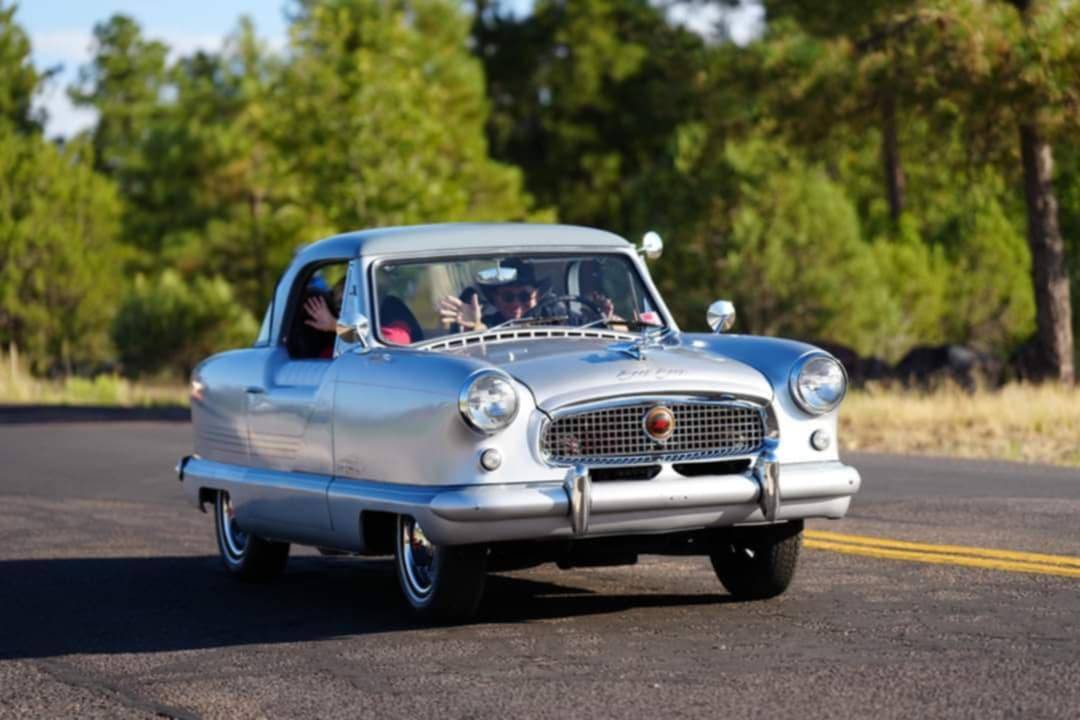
(289, 409)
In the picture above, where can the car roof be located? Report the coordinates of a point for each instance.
(456, 237)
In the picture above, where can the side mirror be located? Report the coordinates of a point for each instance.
(358, 331)
(721, 316)
(651, 245)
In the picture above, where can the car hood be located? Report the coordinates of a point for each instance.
(565, 371)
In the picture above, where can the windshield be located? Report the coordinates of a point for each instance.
(422, 300)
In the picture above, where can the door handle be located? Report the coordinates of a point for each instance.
(255, 390)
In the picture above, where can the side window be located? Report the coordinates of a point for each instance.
(316, 305)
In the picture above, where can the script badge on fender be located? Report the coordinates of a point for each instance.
(659, 423)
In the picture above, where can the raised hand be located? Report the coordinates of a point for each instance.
(602, 301)
(319, 315)
(467, 316)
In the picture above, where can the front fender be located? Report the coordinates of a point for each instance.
(774, 358)
(396, 420)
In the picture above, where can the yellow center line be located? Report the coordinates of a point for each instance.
(949, 549)
(965, 556)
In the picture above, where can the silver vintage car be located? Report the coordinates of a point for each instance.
(481, 397)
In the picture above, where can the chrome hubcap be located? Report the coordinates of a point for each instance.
(235, 538)
(418, 558)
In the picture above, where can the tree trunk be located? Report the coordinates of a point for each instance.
(1053, 315)
(890, 156)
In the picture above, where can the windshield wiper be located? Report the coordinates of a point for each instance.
(512, 322)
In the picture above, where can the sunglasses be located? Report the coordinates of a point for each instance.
(522, 296)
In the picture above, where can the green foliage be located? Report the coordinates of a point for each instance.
(58, 228)
(997, 75)
(784, 243)
(238, 207)
(232, 160)
(962, 234)
(970, 63)
(124, 84)
(990, 298)
(772, 170)
(588, 97)
(914, 276)
(19, 80)
(166, 324)
(382, 116)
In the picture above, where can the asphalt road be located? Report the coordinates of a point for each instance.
(112, 604)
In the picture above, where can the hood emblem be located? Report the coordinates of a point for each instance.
(659, 423)
(651, 338)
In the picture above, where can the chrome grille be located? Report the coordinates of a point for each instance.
(613, 433)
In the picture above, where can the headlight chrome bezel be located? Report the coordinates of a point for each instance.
(465, 407)
(795, 388)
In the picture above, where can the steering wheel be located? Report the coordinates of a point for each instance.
(565, 300)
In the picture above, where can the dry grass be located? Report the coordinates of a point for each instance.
(19, 387)
(1027, 423)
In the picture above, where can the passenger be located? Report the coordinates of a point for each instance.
(512, 300)
(398, 327)
(591, 282)
(321, 317)
(397, 323)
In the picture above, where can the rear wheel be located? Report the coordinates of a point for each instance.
(439, 582)
(755, 563)
(248, 557)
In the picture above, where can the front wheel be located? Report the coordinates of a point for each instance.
(756, 563)
(248, 557)
(439, 582)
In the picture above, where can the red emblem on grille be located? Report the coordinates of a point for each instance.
(659, 423)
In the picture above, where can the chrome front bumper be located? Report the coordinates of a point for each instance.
(766, 473)
(579, 507)
(575, 507)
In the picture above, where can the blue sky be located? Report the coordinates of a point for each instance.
(60, 31)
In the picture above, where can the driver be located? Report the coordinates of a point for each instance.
(512, 300)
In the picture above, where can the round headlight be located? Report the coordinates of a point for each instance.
(818, 383)
(488, 402)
